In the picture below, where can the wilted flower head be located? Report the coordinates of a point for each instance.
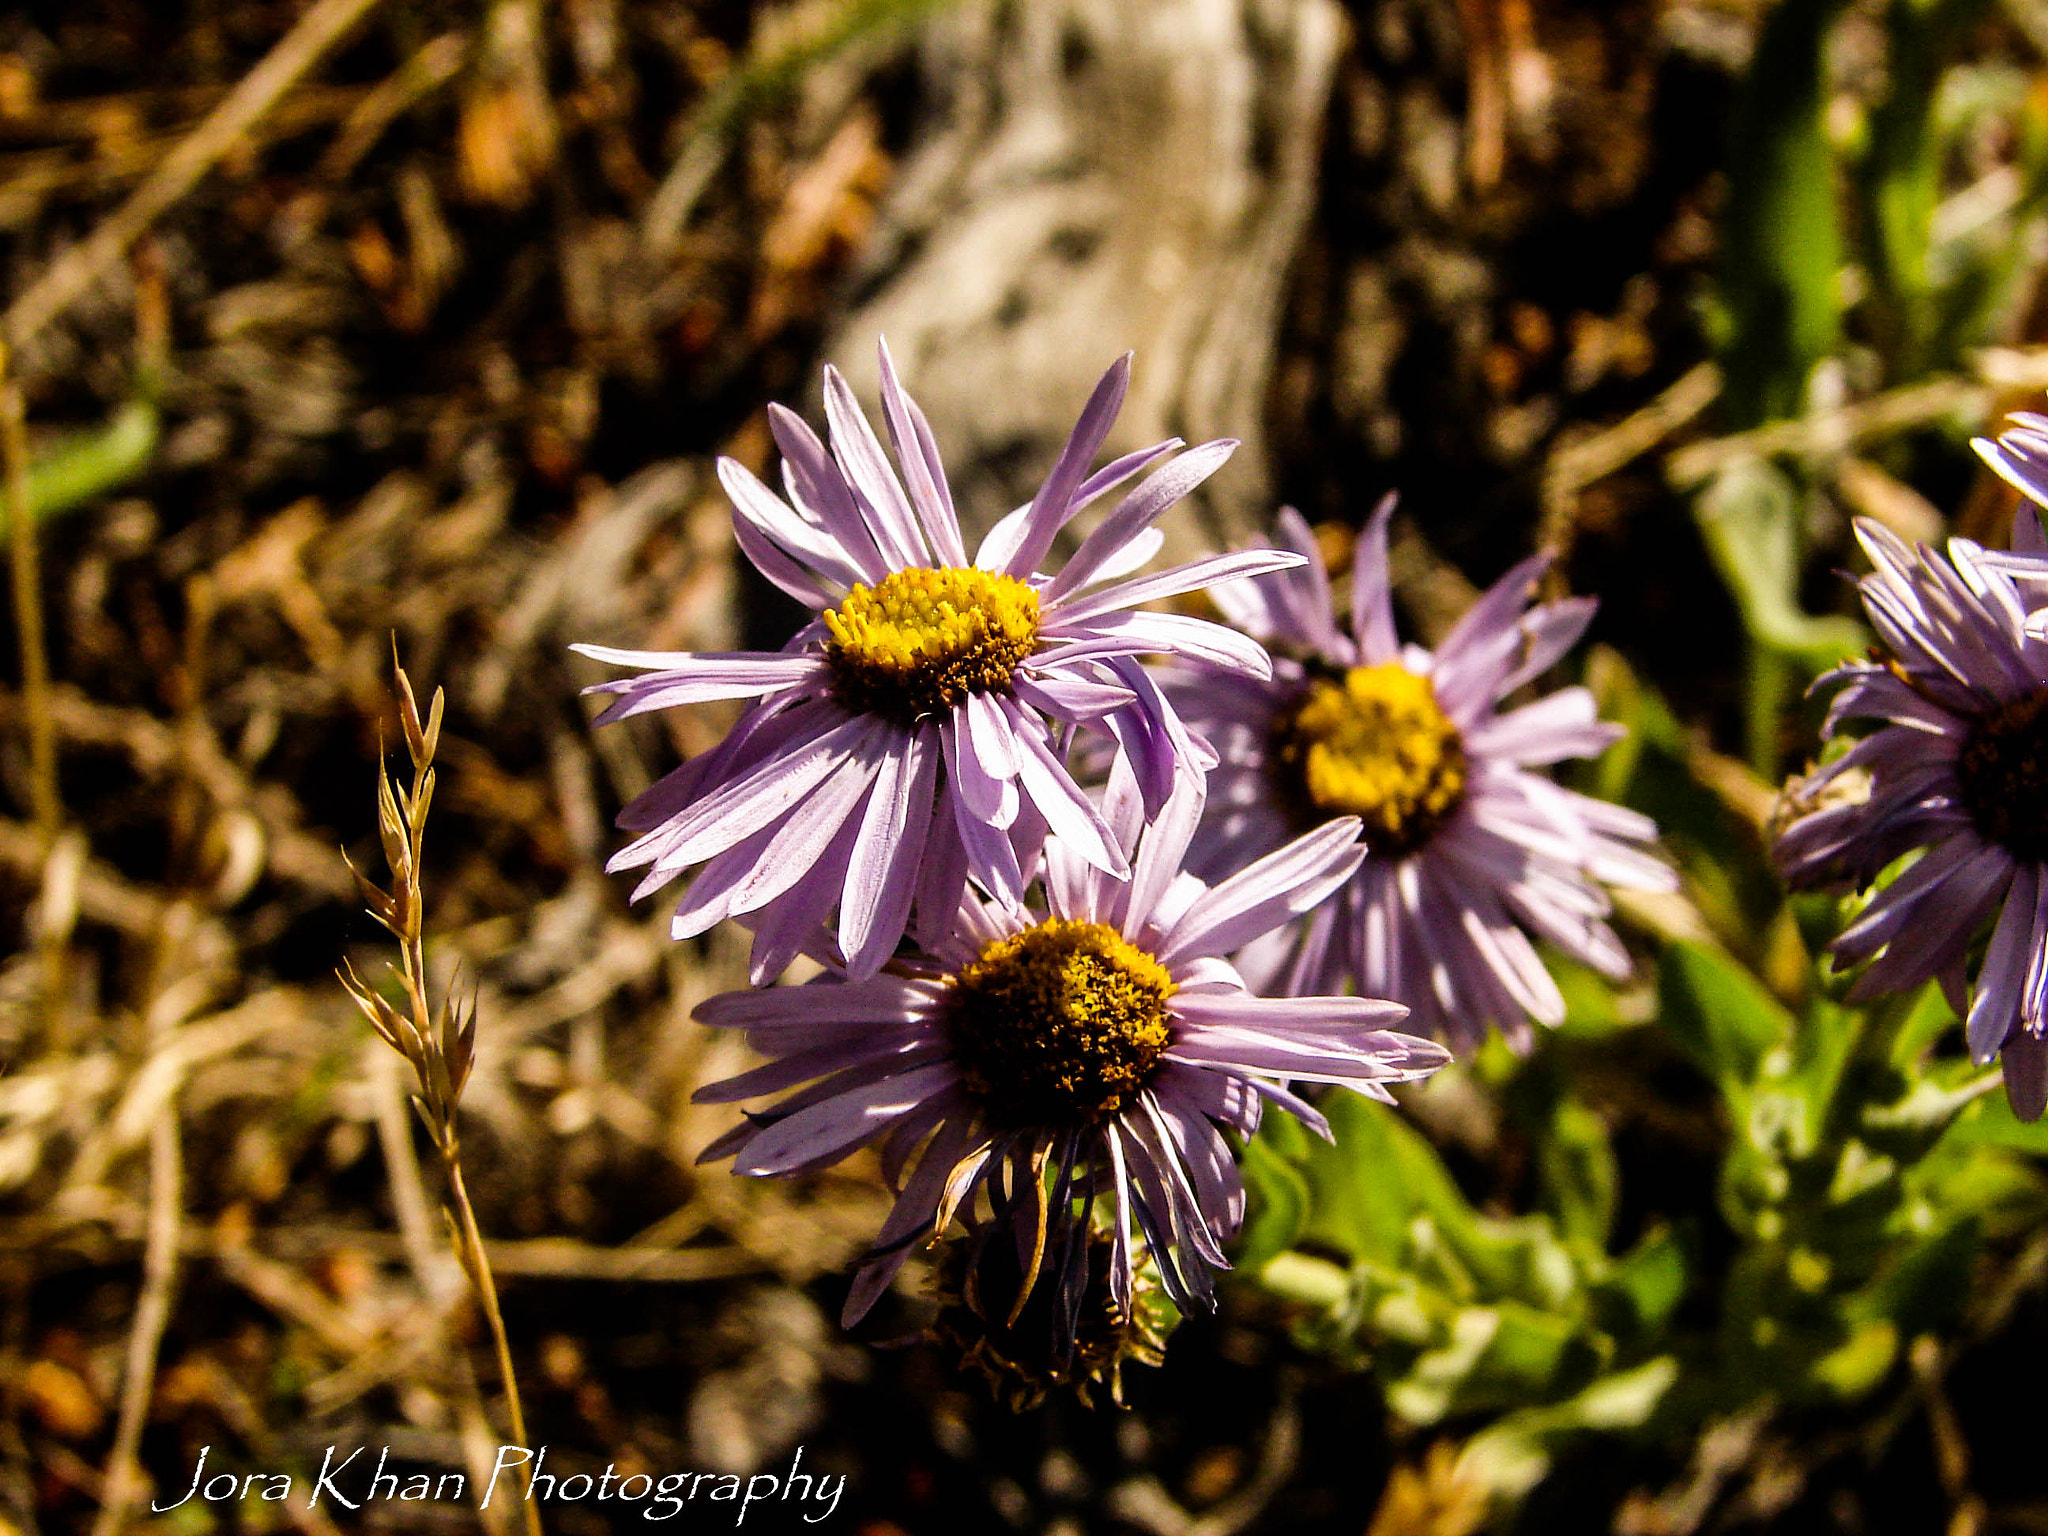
(1071, 1066)
(1468, 853)
(1010, 1335)
(1958, 772)
(904, 739)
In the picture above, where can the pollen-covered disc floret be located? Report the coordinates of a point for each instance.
(912, 738)
(1472, 851)
(1059, 1025)
(1372, 744)
(2003, 770)
(918, 642)
(1955, 774)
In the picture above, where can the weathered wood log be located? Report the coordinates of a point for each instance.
(1105, 175)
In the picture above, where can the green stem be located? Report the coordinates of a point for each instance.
(1769, 682)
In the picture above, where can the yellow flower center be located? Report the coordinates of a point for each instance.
(918, 642)
(2003, 770)
(1060, 1024)
(1373, 744)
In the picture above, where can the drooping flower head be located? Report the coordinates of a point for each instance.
(1957, 771)
(905, 739)
(1073, 1067)
(1011, 1336)
(1468, 852)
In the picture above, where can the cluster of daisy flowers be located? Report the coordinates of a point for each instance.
(1089, 885)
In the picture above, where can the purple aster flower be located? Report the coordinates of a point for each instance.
(1957, 773)
(905, 739)
(1075, 1067)
(1467, 852)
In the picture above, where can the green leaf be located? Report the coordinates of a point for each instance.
(1278, 1196)
(1591, 1010)
(1359, 1201)
(1854, 1367)
(1990, 1122)
(1907, 1127)
(1926, 1287)
(1575, 1164)
(1652, 771)
(1650, 1279)
(1382, 1194)
(1825, 1052)
(1780, 248)
(1512, 1455)
(1623, 697)
(1718, 1013)
(1306, 1280)
(1902, 174)
(1927, 1018)
(1749, 516)
(1527, 1350)
(87, 465)
(1495, 1356)
(2010, 1197)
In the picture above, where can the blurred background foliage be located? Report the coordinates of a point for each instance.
(441, 346)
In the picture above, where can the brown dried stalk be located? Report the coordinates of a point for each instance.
(438, 1043)
(28, 610)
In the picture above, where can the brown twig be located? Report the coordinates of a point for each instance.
(432, 66)
(80, 267)
(246, 1259)
(159, 1275)
(160, 1251)
(1581, 461)
(155, 747)
(1486, 94)
(46, 805)
(1833, 432)
(40, 175)
(1951, 1450)
(101, 893)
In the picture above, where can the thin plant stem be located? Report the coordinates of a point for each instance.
(431, 1266)
(1770, 681)
(46, 804)
(152, 1315)
(487, 1291)
(160, 1255)
(469, 1239)
(28, 612)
